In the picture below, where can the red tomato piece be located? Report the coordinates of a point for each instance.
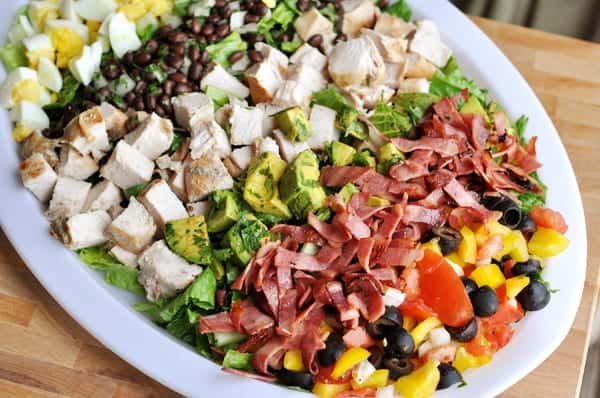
(362, 393)
(443, 291)
(467, 269)
(416, 309)
(501, 293)
(506, 314)
(480, 345)
(507, 266)
(499, 335)
(324, 376)
(548, 218)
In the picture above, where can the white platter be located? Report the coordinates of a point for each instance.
(106, 311)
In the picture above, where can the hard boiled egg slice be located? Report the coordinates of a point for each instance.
(49, 75)
(38, 46)
(122, 35)
(68, 37)
(95, 10)
(77, 27)
(16, 82)
(67, 10)
(20, 29)
(30, 115)
(84, 66)
(40, 12)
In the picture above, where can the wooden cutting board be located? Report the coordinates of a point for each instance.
(45, 353)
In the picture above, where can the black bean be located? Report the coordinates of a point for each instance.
(195, 72)
(134, 74)
(285, 36)
(225, 12)
(142, 58)
(178, 77)
(163, 31)
(236, 56)
(182, 88)
(138, 104)
(260, 38)
(174, 61)
(152, 46)
(140, 87)
(260, 9)
(213, 19)
(168, 87)
(249, 37)
(316, 40)
(177, 37)
(204, 57)
(150, 76)
(303, 5)
(111, 71)
(104, 92)
(194, 53)
(255, 56)
(178, 49)
(150, 102)
(383, 4)
(223, 30)
(212, 38)
(160, 111)
(201, 39)
(220, 3)
(130, 97)
(128, 58)
(196, 26)
(250, 18)
(158, 91)
(208, 29)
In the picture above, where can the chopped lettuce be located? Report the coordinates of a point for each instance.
(176, 143)
(237, 360)
(348, 118)
(12, 56)
(280, 19)
(450, 81)
(146, 26)
(180, 7)
(68, 93)
(222, 50)
(136, 189)
(529, 200)
(183, 326)
(219, 96)
(389, 121)
(115, 272)
(414, 105)
(331, 98)
(329, 12)
(290, 46)
(399, 9)
(520, 126)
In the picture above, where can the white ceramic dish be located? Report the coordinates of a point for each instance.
(106, 311)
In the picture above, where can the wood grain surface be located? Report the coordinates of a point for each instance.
(45, 353)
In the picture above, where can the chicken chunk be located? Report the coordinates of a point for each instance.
(152, 137)
(162, 203)
(391, 49)
(209, 137)
(269, 110)
(311, 23)
(134, 228)
(200, 208)
(428, 43)
(417, 67)
(222, 79)
(68, 198)
(38, 176)
(125, 257)
(356, 62)
(177, 184)
(292, 93)
(367, 97)
(309, 55)
(204, 175)
(127, 166)
(414, 86)
(193, 108)
(86, 230)
(322, 121)
(395, 74)
(87, 133)
(288, 149)
(273, 55)
(115, 120)
(264, 78)
(37, 143)
(358, 14)
(164, 273)
(232, 168)
(265, 144)
(75, 165)
(390, 25)
(242, 156)
(307, 76)
(102, 196)
(245, 123)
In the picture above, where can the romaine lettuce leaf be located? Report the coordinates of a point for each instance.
(222, 50)
(520, 126)
(12, 57)
(280, 19)
(399, 9)
(237, 360)
(115, 272)
(450, 81)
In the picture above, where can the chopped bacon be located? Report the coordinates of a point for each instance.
(296, 260)
(262, 258)
(390, 223)
(399, 253)
(443, 353)
(359, 205)
(500, 123)
(330, 232)
(270, 355)
(284, 278)
(417, 165)
(490, 248)
(437, 179)
(353, 224)
(336, 293)
(336, 176)
(435, 199)
(385, 274)
(246, 318)
(358, 337)
(367, 297)
(311, 343)
(348, 252)
(304, 234)
(479, 134)
(271, 295)
(414, 190)
(364, 251)
(256, 340)
(216, 323)
(443, 146)
(464, 199)
(287, 312)
(420, 214)
(327, 254)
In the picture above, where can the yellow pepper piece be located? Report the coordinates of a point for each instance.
(409, 323)
(421, 331)
(488, 275)
(455, 258)
(329, 390)
(421, 383)
(547, 242)
(467, 249)
(379, 378)
(463, 360)
(432, 245)
(377, 201)
(348, 360)
(21, 132)
(519, 250)
(293, 361)
(515, 284)
(488, 229)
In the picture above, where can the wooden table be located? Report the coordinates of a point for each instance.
(45, 353)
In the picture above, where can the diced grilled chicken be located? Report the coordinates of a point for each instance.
(86, 230)
(428, 43)
(264, 78)
(68, 198)
(75, 165)
(358, 14)
(288, 149)
(242, 156)
(268, 123)
(223, 114)
(162, 203)
(356, 62)
(307, 75)
(124, 256)
(265, 144)
(245, 123)
(322, 120)
(204, 175)
(393, 26)
(127, 166)
(193, 108)
(309, 55)
(87, 133)
(232, 168)
(395, 74)
(164, 273)
(292, 93)
(311, 23)
(134, 228)
(273, 55)
(37, 143)
(165, 162)
(152, 137)
(200, 208)
(222, 79)
(102, 196)
(177, 184)
(419, 67)
(414, 86)
(115, 120)
(209, 137)
(365, 97)
(38, 176)
(391, 49)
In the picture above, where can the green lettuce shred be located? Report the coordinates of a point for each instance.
(237, 360)
(279, 21)
(12, 57)
(399, 9)
(115, 273)
(450, 81)
(222, 50)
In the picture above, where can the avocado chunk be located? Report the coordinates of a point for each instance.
(300, 188)
(387, 156)
(350, 123)
(377, 201)
(294, 124)
(261, 189)
(188, 237)
(347, 191)
(245, 238)
(341, 154)
(225, 209)
(364, 159)
(473, 106)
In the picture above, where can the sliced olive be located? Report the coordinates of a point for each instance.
(511, 213)
(527, 224)
(398, 343)
(398, 367)
(376, 357)
(298, 379)
(449, 239)
(334, 348)
(534, 297)
(449, 376)
(465, 333)
(391, 318)
(485, 301)
(470, 285)
(529, 267)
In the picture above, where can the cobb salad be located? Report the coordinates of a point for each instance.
(309, 193)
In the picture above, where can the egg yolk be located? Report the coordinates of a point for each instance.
(68, 45)
(34, 56)
(40, 15)
(135, 9)
(21, 132)
(28, 90)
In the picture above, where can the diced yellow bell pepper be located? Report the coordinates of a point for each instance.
(467, 249)
(455, 258)
(515, 284)
(432, 245)
(330, 390)
(463, 360)
(490, 228)
(379, 378)
(421, 383)
(293, 361)
(547, 242)
(20, 133)
(377, 201)
(488, 275)
(348, 360)
(409, 323)
(519, 251)
(421, 331)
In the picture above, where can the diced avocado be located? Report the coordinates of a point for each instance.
(347, 191)
(341, 154)
(225, 210)
(324, 214)
(300, 188)
(294, 124)
(261, 189)
(349, 122)
(387, 156)
(223, 339)
(12, 56)
(364, 159)
(377, 201)
(245, 238)
(473, 106)
(188, 237)
(219, 96)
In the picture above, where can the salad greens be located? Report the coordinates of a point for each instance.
(406, 110)
(115, 273)
(400, 9)
(221, 51)
(237, 360)
(12, 56)
(450, 81)
(348, 117)
(281, 17)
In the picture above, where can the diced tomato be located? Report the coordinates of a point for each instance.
(501, 293)
(507, 313)
(409, 282)
(467, 269)
(507, 265)
(480, 345)
(362, 393)
(548, 218)
(416, 309)
(324, 376)
(498, 335)
(443, 291)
